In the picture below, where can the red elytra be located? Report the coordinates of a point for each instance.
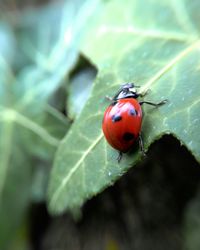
(123, 119)
(122, 123)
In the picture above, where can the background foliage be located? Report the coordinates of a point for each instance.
(51, 107)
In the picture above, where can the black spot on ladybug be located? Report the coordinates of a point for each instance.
(128, 136)
(133, 112)
(116, 118)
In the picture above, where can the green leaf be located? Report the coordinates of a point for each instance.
(7, 42)
(15, 176)
(30, 128)
(55, 51)
(154, 44)
(79, 91)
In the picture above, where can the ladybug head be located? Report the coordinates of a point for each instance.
(127, 90)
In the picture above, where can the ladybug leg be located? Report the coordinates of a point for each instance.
(113, 101)
(141, 145)
(119, 157)
(154, 104)
(108, 98)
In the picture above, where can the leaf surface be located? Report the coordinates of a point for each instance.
(158, 48)
(30, 127)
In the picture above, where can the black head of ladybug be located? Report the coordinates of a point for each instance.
(127, 90)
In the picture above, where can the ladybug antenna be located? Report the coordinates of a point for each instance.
(129, 85)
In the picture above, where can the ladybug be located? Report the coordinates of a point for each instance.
(122, 119)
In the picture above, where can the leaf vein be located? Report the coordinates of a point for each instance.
(145, 33)
(167, 67)
(74, 169)
(12, 115)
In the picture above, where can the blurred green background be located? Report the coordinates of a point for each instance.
(44, 83)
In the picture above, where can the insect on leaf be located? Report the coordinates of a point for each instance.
(156, 45)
